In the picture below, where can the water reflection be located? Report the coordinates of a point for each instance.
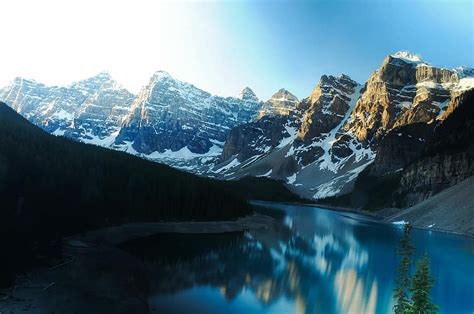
(312, 261)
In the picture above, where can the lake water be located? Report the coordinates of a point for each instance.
(311, 261)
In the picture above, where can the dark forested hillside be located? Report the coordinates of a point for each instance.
(48, 177)
(50, 186)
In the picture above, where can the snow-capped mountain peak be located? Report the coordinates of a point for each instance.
(317, 145)
(284, 95)
(282, 103)
(86, 110)
(160, 74)
(407, 56)
(248, 94)
(102, 80)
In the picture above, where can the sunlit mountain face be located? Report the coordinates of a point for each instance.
(307, 262)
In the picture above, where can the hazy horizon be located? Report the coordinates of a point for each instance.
(221, 47)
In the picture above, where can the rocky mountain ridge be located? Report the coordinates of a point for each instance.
(90, 110)
(169, 121)
(342, 127)
(318, 145)
(170, 116)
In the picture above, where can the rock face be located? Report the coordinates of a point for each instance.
(404, 144)
(172, 115)
(90, 110)
(277, 119)
(305, 147)
(431, 175)
(447, 158)
(331, 136)
(400, 147)
(255, 138)
(416, 161)
(327, 105)
(402, 91)
(282, 103)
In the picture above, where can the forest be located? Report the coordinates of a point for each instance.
(52, 186)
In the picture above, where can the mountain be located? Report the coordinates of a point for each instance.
(321, 146)
(447, 157)
(90, 110)
(281, 103)
(305, 147)
(318, 145)
(171, 119)
(42, 174)
(404, 90)
(416, 161)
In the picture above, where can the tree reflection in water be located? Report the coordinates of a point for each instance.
(317, 269)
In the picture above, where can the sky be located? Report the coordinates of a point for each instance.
(223, 46)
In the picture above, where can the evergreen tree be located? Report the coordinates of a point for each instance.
(401, 291)
(421, 285)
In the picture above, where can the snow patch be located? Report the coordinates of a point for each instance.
(325, 161)
(267, 174)
(63, 115)
(400, 223)
(291, 179)
(184, 154)
(292, 135)
(290, 152)
(465, 84)
(106, 141)
(327, 189)
(234, 163)
(59, 132)
(407, 56)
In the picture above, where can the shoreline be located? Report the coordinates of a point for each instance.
(328, 207)
(95, 258)
(379, 217)
(386, 219)
(117, 234)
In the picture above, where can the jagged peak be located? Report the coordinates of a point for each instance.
(407, 57)
(104, 74)
(100, 78)
(284, 95)
(161, 74)
(248, 94)
(166, 76)
(345, 77)
(331, 80)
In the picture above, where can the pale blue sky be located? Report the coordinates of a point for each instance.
(222, 46)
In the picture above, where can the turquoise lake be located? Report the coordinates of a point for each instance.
(311, 260)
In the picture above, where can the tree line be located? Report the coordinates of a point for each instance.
(51, 186)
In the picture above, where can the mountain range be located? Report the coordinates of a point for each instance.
(319, 146)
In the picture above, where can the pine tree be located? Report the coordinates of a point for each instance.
(401, 291)
(421, 285)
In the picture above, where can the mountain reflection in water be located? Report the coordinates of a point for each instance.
(309, 261)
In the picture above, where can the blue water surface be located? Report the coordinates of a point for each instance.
(312, 260)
